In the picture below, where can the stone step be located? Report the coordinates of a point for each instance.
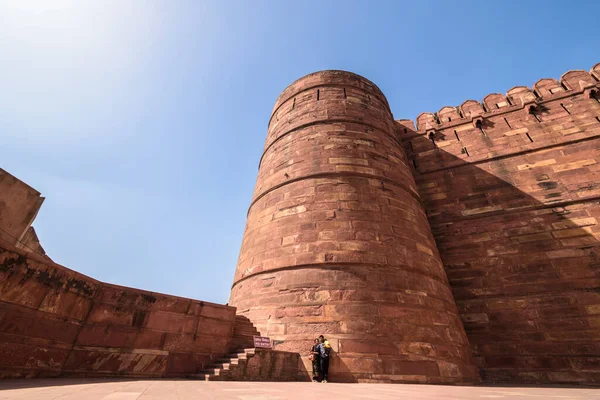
(243, 337)
(229, 361)
(240, 353)
(204, 377)
(241, 344)
(233, 359)
(222, 367)
(212, 371)
(200, 377)
(243, 321)
(244, 327)
(236, 349)
(245, 333)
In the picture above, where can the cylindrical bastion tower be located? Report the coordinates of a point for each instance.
(337, 242)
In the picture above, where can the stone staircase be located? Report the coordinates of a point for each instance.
(241, 349)
(222, 369)
(243, 334)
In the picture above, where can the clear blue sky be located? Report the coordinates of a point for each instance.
(143, 122)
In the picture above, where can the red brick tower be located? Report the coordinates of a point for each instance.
(337, 242)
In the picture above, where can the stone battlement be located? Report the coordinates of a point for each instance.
(571, 83)
(530, 123)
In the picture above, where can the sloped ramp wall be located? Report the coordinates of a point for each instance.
(19, 205)
(57, 322)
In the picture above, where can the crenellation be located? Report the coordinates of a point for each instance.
(471, 109)
(595, 71)
(557, 120)
(408, 124)
(547, 87)
(426, 121)
(494, 102)
(519, 97)
(449, 114)
(577, 80)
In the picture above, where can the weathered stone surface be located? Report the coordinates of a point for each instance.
(266, 365)
(391, 240)
(54, 321)
(514, 208)
(337, 242)
(19, 205)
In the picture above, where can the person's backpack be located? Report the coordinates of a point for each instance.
(327, 348)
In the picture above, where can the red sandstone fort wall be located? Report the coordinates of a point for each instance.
(19, 205)
(337, 242)
(495, 210)
(54, 321)
(511, 187)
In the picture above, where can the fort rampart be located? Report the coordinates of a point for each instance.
(336, 242)
(511, 187)
(460, 249)
(57, 322)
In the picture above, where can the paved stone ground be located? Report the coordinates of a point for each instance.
(64, 389)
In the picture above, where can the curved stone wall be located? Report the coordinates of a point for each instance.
(337, 242)
(57, 322)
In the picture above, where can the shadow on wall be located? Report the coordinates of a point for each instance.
(338, 371)
(518, 234)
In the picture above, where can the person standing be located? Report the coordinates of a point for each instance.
(323, 358)
(315, 357)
